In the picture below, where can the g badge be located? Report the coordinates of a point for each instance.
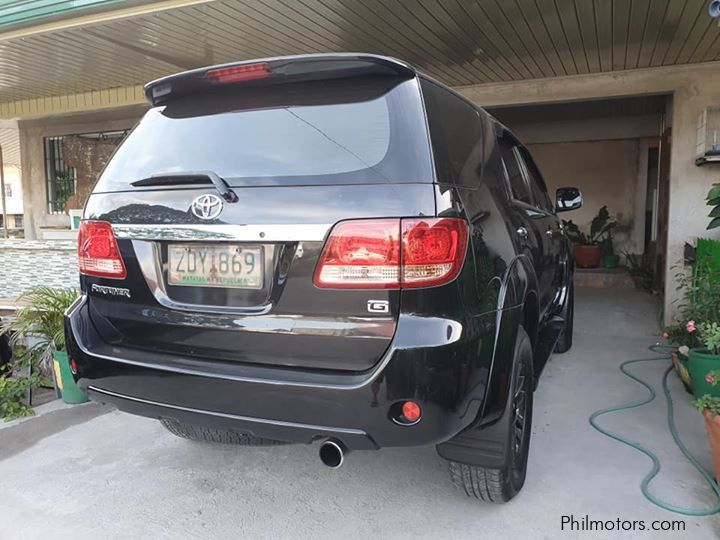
(378, 306)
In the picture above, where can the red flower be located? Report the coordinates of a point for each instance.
(690, 326)
(709, 378)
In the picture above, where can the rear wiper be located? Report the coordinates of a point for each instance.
(190, 177)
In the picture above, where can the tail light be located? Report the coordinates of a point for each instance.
(98, 252)
(392, 253)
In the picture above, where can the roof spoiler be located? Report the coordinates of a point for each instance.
(278, 70)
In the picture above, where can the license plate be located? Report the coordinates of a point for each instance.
(217, 265)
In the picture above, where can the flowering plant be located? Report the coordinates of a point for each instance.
(707, 333)
(708, 402)
(681, 335)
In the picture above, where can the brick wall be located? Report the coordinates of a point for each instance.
(25, 264)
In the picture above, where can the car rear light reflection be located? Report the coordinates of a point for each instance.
(98, 252)
(392, 253)
(247, 72)
(433, 251)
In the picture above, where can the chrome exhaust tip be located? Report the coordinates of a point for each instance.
(332, 453)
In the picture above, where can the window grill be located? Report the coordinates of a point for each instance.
(59, 177)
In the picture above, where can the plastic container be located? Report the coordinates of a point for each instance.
(65, 381)
(700, 364)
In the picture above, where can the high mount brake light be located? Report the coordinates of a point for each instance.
(392, 253)
(98, 252)
(247, 72)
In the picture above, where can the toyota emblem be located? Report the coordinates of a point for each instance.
(207, 206)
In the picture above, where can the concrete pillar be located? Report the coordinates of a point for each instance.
(689, 183)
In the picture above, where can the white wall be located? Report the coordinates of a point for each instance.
(14, 203)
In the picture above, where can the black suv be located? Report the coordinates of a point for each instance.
(329, 248)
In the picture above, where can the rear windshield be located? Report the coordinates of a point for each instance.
(365, 130)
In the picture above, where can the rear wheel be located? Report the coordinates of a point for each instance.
(501, 485)
(224, 436)
(566, 337)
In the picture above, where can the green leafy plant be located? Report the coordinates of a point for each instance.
(701, 298)
(709, 335)
(600, 227)
(42, 316)
(606, 244)
(13, 391)
(713, 200)
(36, 331)
(708, 402)
(640, 268)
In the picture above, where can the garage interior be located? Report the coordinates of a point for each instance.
(612, 149)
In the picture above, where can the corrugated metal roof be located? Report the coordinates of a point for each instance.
(460, 42)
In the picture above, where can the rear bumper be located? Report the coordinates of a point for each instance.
(433, 361)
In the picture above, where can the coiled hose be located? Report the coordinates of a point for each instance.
(645, 484)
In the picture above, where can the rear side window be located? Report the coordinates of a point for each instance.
(516, 179)
(362, 130)
(537, 184)
(456, 134)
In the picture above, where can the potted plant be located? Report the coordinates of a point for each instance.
(709, 406)
(586, 247)
(706, 359)
(39, 326)
(681, 337)
(607, 251)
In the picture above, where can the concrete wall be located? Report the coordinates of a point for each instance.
(607, 174)
(591, 129)
(694, 87)
(32, 133)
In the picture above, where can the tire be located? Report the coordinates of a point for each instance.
(224, 436)
(564, 343)
(501, 485)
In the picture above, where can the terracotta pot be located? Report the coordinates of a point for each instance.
(712, 424)
(587, 256)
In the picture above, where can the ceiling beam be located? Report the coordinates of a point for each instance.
(70, 103)
(146, 8)
(658, 80)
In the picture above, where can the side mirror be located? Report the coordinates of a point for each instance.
(568, 198)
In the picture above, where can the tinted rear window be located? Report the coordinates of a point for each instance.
(356, 131)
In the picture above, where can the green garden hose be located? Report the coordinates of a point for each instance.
(645, 484)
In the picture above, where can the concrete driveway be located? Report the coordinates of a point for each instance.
(87, 472)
